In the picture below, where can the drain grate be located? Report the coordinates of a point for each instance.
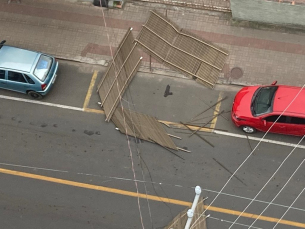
(236, 73)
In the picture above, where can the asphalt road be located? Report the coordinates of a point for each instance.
(63, 166)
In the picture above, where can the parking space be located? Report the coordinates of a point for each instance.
(169, 99)
(70, 87)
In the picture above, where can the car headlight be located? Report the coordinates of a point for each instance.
(238, 118)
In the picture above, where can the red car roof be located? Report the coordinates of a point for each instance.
(283, 97)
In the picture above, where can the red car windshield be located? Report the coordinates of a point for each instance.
(262, 100)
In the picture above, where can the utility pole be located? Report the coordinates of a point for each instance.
(190, 212)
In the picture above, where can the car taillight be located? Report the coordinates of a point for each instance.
(43, 86)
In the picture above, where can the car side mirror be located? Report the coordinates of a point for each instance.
(274, 83)
(265, 122)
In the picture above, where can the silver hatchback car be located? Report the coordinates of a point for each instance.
(26, 71)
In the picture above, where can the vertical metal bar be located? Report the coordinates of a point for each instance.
(112, 62)
(117, 75)
(123, 88)
(150, 63)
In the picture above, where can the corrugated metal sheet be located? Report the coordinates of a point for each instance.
(181, 50)
(119, 74)
(141, 126)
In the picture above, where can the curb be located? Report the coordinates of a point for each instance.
(84, 60)
(144, 69)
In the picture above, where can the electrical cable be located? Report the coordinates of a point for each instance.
(279, 165)
(128, 142)
(227, 221)
(140, 158)
(153, 183)
(150, 182)
(288, 208)
(249, 155)
(173, 223)
(278, 192)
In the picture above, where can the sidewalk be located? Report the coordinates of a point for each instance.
(76, 31)
(218, 5)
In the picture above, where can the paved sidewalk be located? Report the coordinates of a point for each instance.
(77, 32)
(218, 5)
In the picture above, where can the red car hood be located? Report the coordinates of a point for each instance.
(242, 102)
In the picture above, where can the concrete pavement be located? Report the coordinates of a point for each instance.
(77, 31)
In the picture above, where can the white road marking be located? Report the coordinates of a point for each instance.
(214, 131)
(258, 139)
(227, 221)
(41, 103)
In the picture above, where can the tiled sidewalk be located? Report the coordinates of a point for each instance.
(78, 32)
(293, 2)
(202, 4)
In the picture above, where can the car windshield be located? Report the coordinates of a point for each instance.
(43, 67)
(263, 100)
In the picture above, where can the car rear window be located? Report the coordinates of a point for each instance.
(43, 67)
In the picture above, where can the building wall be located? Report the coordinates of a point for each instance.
(268, 11)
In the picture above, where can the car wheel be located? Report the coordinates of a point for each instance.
(248, 129)
(34, 95)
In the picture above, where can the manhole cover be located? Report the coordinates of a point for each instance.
(236, 73)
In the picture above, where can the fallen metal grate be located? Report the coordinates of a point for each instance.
(141, 126)
(112, 87)
(181, 50)
(119, 74)
(198, 222)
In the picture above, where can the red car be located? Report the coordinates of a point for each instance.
(259, 107)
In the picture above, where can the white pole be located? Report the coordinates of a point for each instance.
(190, 212)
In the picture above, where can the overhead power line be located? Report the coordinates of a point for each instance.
(128, 141)
(220, 192)
(279, 192)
